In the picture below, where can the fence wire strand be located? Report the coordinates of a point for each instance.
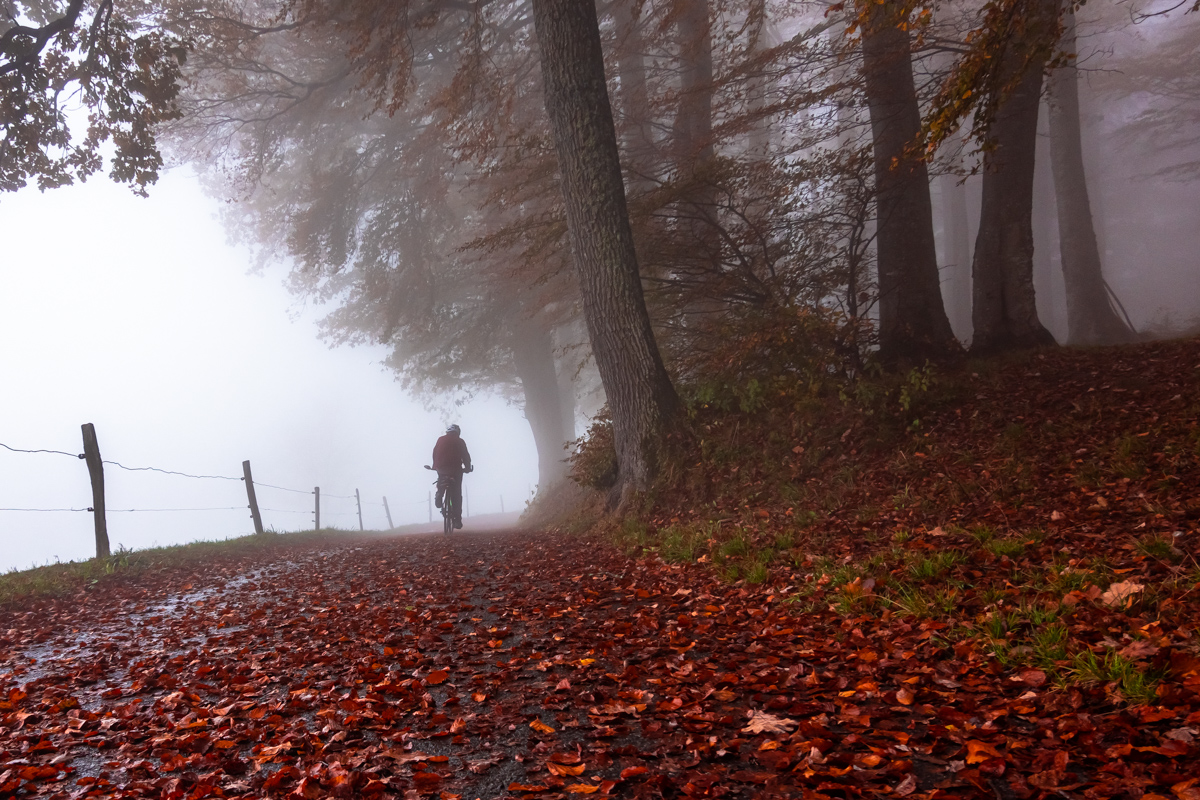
(45, 509)
(56, 452)
(171, 472)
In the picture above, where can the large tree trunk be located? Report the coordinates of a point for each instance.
(1091, 318)
(642, 400)
(912, 319)
(533, 360)
(1005, 310)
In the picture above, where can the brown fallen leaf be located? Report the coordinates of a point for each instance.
(582, 788)
(540, 726)
(978, 751)
(1029, 677)
(906, 786)
(1121, 594)
(436, 677)
(1187, 790)
(563, 770)
(528, 787)
(768, 723)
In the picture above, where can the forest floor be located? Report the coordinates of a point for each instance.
(998, 602)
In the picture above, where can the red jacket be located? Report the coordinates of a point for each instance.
(450, 454)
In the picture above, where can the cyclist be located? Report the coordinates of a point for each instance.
(451, 459)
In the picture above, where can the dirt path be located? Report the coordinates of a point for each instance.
(499, 664)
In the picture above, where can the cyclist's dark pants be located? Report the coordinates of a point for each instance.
(451, 483)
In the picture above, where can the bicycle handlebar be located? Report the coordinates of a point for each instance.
(472, 469)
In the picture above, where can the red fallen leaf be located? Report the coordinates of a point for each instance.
(582, 788)
(457, 725)
(1030, 677)
(282, 776)
(484, 764)
(436, 677)
(308, 789)
(478, 697)
(373, 787)
(563, 686)
(978, 751)
(905, 696)
(1187, 790)
(674, 703)
(404, 756)
(566, 758)
(1171, 748)
(633, 772)
(427, 781)
(993, 767)
(524, 787)
(906, 786)
(562, 770)
(1156, 714)
(1118, 751)
(38, 773)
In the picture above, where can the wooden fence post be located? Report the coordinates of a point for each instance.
(317, 494)
(387, 511)
(358, 500)
(431, 506)
(95, 465)
(258, 528)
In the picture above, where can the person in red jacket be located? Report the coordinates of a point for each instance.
(451, 459)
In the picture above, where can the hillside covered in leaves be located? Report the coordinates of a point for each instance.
(974, 584)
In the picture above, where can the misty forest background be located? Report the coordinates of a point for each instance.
(806, 191)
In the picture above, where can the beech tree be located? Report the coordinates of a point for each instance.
(112, 58)
(1004, 311)
(640, 394)
(1091, 318)
(912, 318)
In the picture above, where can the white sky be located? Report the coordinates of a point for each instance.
(137, 316)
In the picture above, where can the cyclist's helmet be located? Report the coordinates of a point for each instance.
(454, 430)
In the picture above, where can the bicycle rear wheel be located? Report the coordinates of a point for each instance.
(447, 515)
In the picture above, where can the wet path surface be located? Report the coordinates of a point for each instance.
(486, 665)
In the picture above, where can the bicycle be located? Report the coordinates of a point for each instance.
(444, 484)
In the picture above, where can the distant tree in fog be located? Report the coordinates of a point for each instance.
(1091, 316)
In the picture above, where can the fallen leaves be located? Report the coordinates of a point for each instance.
(761, 722)
(1121, 594)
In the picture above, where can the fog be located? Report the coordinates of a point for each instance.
(136, 315)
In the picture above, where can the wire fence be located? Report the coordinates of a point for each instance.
(99, 509)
